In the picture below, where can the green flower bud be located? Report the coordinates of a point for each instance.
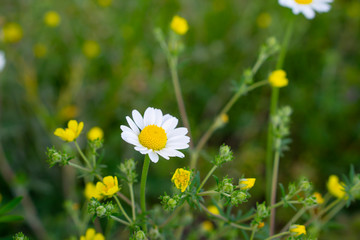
(239, 197)
(225, 155)
(310, 201)
(20, 236)
(100, 211)
(262, 211)
(140, 235)
(154, 233)
(172, 203)
(56, 157)
(228, 187)
(305, 185)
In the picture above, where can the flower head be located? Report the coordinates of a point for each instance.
(104, 3)
(297, 230)
(155, 134)
(278, 78)
(91, 49)
(246, 183)
(95, 133)
(335, 187)
(92, 235)
(261, 225)
(207, 226)
(90, 192)
(12, 32)
(70, 133)
(181, 179)
(307, 7)
(264, 20)
(52, 19)
(108, 187)
(213, 209)
(40, 50)
(179, 25)
(319, 198)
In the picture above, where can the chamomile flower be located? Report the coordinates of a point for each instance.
(155, 134)
(307, 7)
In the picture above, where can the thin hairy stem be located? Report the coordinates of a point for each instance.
(143, 186)
(122, 209)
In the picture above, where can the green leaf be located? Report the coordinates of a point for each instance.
(10, 205)
(10, 218)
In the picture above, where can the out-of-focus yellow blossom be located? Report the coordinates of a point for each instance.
(261, 225)
(319, 198)
(264, 20)
(353, 10)
(90, 191)
(297, 230)
(68, 112)
(91, 49)
(179, 25)
(335, 187)
(12, 32)
(246, 183)
(207, 226)
(278, 78)
(52, 19)
(224, 118)
(92, 235)
(181, 179)
(104, 3)
(108, 187)
(40, 50)
(95, 133)
(70, 133)
(213, 209)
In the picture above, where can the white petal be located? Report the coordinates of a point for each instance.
(178, 139)
(149, 116)
(308, 12)
(177, 132)
(162, 153)
(138, 119)
(126, 129)
(158, 117)
(132, 139)
(172, 152)
(140, 148)
(132, 125)
(321, 7)
(153, 157)
(166, 117)
(170, 124)
(178, 146)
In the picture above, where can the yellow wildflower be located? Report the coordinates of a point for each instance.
(264, 20)
(261, 225)
(52, 19)
(224, 118)
(90, 192)
(40, 50)
(108, 187)
(12, 32)
(181, 179)
(91, 49)
(71, 132)
(92, 235)
(95, 133)
(207, 226)
(297, 230)
(319, 198)
(335, 187)
(278, 79)
(213, 209)
(104, 3)
(179, 25)
(68, 112)
(246, 183)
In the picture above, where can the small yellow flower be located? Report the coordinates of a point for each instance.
(297, 230)
(95, 133)
(108, 187)
(181, 179)
(40, 50)
(90, 192)
(261, 225)
(246, 183)
(207, 226)
(264, 20)
(68, 112)
(335, 187)
(319, 198)
(213, 209)
(92, 235)
(12, 32)
(70, 133)
(224, 118)
(91, 49)
(179, 25)
(104, 3)
(278, 79)
(52, 19)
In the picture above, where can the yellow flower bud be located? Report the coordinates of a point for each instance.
(108, 187)
(297, 230)
(12, 32)
(319, 198)
(91, 49)
(335, 187)
(179, 25)
(95, 133)
(246, 183)
(278, 79)
(52, 19)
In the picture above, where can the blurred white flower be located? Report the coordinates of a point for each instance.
(155, 134)
(2, 60)
(307, 7)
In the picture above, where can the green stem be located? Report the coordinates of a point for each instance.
(120, 220)
(273, 190)
(122, 209)
(253, 233)
(206, 178)
(278, 235)
(294, 218)
(331, 214)
(174, 213)
(208, 193)
(82, 154)
(143, 186)
(79, 167)
(132, 201)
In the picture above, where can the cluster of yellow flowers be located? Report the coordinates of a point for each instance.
(72, 132)
(92, 235)
(107, 188)
(278, 79)
(335, 187)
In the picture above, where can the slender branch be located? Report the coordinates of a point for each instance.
(120, 220)
(278, 235)
(122, 209)
(206, 178)
(132, 201)
(79, 167)
(273, 190)
(253, 233)
(82, 154)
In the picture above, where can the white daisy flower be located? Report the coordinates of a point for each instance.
(2, 60)
(155, 134)
(307, 7)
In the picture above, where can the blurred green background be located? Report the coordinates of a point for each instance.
(102, 60)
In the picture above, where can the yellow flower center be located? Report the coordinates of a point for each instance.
(153, 137)
(303, 1)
